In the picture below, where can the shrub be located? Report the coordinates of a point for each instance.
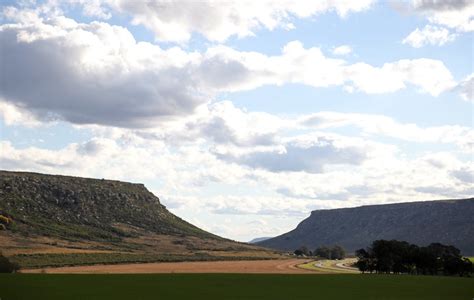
(2, 227)
(6, 266)
(5, 220)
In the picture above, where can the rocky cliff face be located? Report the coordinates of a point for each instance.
(82, 208)
(448, 222)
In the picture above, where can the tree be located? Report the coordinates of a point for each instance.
(323, 252)
(363, 261)
(6, 266)
(303, 250)
(401, 257)
(337, 252)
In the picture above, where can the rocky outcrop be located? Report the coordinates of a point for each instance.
(73, 207)
(446, 221)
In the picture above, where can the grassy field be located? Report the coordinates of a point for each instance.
(233, 286)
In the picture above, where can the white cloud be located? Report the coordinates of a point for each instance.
(430, 76)
(455, 14)
(429, 35)
(302, 154)
(93, 73)
(218, 20)
(12, 115)
(461, 136)
(465, 174)
(98, 74)
(342, 50)
(466, 88)
(447, 20)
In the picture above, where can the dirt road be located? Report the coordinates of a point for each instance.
(287, 266)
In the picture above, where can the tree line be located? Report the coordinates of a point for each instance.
(335, 252)
(400, 257)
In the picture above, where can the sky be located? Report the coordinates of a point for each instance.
(243, 116)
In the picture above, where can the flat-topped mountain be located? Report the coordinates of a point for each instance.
(61, 214)
(446, 221)
(74, 207)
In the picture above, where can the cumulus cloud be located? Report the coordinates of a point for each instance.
(342, 50)
(218, 20)
(465, 173)
(14, 115)
(394, 76)
(455, 14)
(98, 74)
(429, 35)
(92, 73)
(461, 136)
(307, 154)
(466, 88)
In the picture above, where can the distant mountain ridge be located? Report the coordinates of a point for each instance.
(259, 239)
(445, 221)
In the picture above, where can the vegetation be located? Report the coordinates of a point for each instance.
(336, 252)
(6, 266)
(303, 250)
(82, 208)
(34, 261)
(325, 266)
(5, 222)
(404, 258)
(233, 286)
(121, 222)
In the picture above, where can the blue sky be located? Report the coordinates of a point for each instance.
(243, 116)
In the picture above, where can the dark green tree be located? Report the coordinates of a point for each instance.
(323, 252)
(303, 250)
(337, 252)
(6, 266)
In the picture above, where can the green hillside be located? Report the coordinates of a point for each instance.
(83, 208)
(48, 220)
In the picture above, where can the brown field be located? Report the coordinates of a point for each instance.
(286, 266)
(146, 243)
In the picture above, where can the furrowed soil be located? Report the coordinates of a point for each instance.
(285, 266)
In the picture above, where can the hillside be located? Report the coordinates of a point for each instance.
(61, 214)
(445, 221)
(259, 239)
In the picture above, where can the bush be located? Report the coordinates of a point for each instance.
(5, 220)
(7, 266)
(2, 227)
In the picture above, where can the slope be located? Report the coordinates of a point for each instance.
(445, 221)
